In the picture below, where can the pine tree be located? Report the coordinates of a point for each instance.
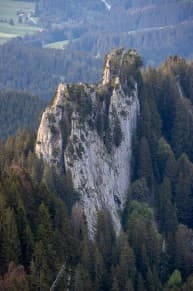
(40, 277)
(183, 250)
(105, 236)
(99, 270)
(25, 234)
(174, 282)
(145, 162)
(11, 244)
(166, 210)
(182, 131)
(127, 268)
(183, 191)
(82, 281)
(166, 160)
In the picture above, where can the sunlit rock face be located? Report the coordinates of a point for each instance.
(87, 131)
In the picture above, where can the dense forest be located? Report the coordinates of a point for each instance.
(18, 110)
(38, 71)
(154, 28)
(42, 231)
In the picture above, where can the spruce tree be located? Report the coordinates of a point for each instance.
(166, 210)
(11, 243)
(183, 191)
(145, 169)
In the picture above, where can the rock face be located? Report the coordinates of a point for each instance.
(87, 131)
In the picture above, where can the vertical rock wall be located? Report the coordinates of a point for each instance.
(101, 175)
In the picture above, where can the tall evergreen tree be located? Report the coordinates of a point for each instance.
(183, 191)
(145, 169)
(11, 243)
(166, 210)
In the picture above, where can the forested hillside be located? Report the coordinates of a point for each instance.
(18, 110)
(73, 36)
(38, 71)
(154, 28)
(42, 228)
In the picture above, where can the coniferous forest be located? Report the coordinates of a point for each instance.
(18, 110)
(43, 234)
(38, 71)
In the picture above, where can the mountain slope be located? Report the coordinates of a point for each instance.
(38, 71)
(152, 27)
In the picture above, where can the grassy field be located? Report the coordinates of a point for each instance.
(8, 10)
(57, 45)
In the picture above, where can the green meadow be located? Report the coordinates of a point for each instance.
(57, 45)
(8, 10)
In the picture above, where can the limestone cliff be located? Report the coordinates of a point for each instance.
(87, 131)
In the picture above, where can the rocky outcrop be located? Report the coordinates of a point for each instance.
(87, 131)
